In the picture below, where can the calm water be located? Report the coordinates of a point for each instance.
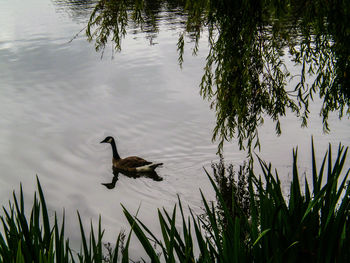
(59, 99)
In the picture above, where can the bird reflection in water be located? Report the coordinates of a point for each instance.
(153, 175)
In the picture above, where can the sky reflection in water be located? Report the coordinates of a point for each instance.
(59, 99)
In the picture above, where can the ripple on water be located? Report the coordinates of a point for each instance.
(59, 100)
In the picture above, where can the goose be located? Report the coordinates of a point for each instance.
(132, 164)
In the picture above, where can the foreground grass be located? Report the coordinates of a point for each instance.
(310, 225)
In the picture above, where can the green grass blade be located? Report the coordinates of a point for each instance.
(86, 254)
(19, 255)
(158, 242)
(164, 227)
(179, 243)
(314, 168)
(204, 253)
(94, 256)
(215, 233)
(116, 249)
(58, 243)
(99, 243)
(46, 223)
(262, 234)
(141, 236)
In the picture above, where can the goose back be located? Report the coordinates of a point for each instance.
(130, 162)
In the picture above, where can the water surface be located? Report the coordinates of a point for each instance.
(59, 99)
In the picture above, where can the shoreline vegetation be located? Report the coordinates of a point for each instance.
(251, 221)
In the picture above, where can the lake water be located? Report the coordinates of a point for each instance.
(59, 99)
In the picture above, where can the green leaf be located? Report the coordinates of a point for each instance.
(262, 234)
(141, 236)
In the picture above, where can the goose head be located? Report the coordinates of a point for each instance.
(108, 139)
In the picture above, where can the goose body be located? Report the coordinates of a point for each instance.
(132, 164)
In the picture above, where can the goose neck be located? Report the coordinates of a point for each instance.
(115, 152)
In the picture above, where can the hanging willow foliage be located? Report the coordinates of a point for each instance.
(246, 77)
